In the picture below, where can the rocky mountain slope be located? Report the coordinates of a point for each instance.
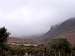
(65, 30)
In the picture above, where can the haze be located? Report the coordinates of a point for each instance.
(32, 17)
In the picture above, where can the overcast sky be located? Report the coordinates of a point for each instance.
(28, 17)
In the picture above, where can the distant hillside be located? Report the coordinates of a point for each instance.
(65, 30)
(21, 40)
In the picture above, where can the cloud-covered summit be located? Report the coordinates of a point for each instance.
(28, 17)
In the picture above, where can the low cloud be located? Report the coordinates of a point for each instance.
(29, 17)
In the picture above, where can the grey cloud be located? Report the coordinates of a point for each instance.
(27, 17)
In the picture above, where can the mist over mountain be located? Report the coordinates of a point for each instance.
(68, 25)
(64, 30)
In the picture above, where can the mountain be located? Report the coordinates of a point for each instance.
(66, 30)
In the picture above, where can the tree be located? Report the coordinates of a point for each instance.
(73, 51)
(3, 39)
(60, 46)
